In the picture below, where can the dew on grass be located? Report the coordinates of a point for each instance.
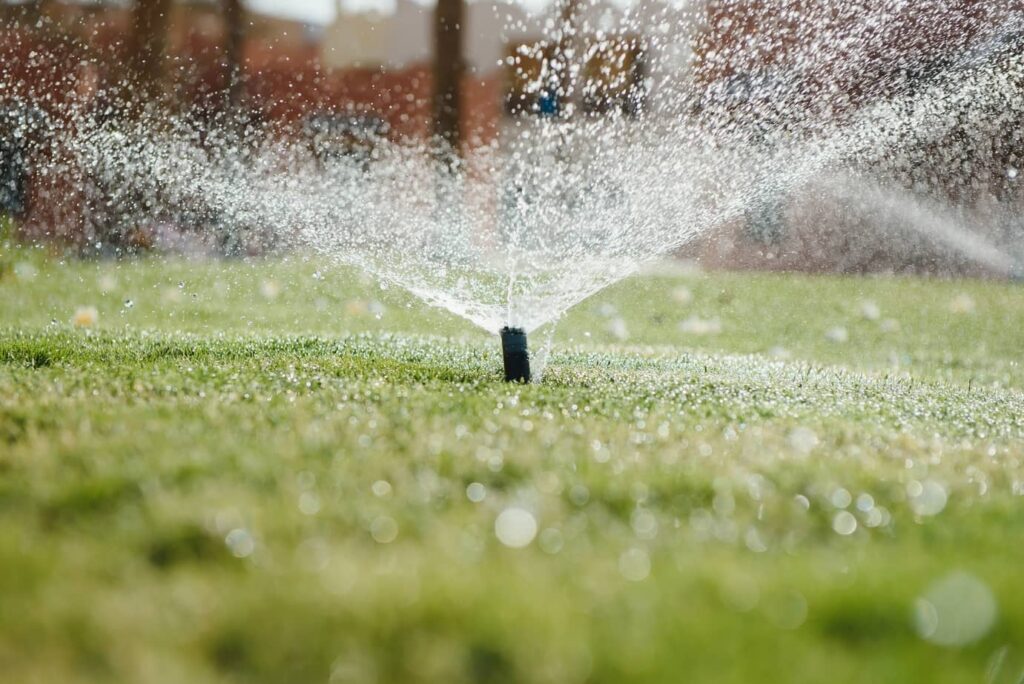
(551, 540)
(927, 498)
(240, 542)
(754, 540)
(644, 524)
(579, 494)
(635, 564)
(515, 527)
(309, 503)
(803, 440)
(875, 517)
(384, 529)
(476, 492)
(840, 498)
(724, 503)
(956, 610)
(381, 488)
(844, 523)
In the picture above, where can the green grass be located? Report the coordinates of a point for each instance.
(258, 472)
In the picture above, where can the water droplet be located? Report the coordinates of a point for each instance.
(515, 527)
(240, 542)
(551, 540)
(841, 498)
(309, 503)
(844, 523)
(803, 440)
(956, 610)
(476, 492)
(579, 495)
(635, 565)
(928, 498)
(865, 502)
(383, 529)
(644, 524)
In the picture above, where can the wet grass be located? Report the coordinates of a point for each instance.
(266, 472)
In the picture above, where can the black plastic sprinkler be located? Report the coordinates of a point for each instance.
(517, 358)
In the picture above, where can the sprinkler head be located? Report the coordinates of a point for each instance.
(517, 358)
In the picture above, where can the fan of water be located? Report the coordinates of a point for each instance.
(744, 102)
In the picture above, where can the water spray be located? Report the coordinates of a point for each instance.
(516, 356)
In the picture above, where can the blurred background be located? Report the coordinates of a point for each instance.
(336, 78)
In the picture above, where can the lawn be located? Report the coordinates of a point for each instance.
(278, 471)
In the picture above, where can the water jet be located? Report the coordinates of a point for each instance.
(515, 354)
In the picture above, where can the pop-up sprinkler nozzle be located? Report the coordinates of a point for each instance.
(517, 358)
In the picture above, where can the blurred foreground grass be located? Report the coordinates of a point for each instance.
(265, 472)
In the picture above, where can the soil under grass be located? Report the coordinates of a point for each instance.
(279, 472)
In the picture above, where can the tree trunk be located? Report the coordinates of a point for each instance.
(448, 69)
(566, 42)
(234, 39)
(31, 12)
(146, 48)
